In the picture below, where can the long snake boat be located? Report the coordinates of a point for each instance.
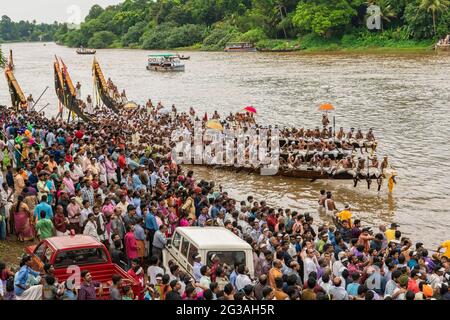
(102, 89)
(66, 91)
(17, 97)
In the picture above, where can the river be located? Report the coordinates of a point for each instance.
(403, 97)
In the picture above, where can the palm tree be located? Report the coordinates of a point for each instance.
(280, 6)
(435, 7)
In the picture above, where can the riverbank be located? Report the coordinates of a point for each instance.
(361, 42)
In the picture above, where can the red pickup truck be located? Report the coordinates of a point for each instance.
(83, 251)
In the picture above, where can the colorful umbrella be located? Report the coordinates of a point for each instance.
(326, 107)
(214, 124)
(250, 109)
(130, 106)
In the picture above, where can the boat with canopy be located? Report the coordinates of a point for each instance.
(165, 62)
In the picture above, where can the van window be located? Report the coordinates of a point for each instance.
(80, 257)
(185, 247)
(228, 257)
(176, 241)
(192, 251)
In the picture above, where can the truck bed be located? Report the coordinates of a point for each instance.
(103, 274)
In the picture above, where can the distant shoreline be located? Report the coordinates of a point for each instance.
(419, 49)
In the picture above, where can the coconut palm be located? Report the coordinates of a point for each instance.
(435, 7)
(279, 6)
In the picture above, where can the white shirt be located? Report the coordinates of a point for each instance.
(337, 265)
(91, 230)
(152, 271)
(241, 281)
(2, 293)
(310, 266)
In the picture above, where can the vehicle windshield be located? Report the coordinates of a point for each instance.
(80, 257)
(228, 257)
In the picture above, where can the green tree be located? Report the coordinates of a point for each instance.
(134, 34)
(435, 7)
(94, 12)
(322, 17)
(101, 39)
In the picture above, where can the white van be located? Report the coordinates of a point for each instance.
(206, 241)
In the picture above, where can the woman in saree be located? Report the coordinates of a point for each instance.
(23, 221)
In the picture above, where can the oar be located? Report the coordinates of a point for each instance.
(39, 98)
(44, 107)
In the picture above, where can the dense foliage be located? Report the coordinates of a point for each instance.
(210, 24)
(26, 31)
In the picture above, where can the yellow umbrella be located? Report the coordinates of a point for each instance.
(214, 124)
(130, 106)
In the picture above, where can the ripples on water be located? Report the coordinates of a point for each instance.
(404, 97)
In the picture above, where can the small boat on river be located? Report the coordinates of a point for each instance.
(165, 63)
(86, 51)
(183, 57)
(240, 47)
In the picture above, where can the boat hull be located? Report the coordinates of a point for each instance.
(310, 174)
(442, 48)
(240, 50)
(166, 69)
(100, 83)
(87, 52)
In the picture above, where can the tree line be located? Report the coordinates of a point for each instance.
(210, 24)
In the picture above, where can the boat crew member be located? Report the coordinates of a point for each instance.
(124, 96)
(89, 108)
(325, 120)
(370, 135)
(384, 165)
(78, 90)
(350, 133)
(30, 102)
(374, 167)
(359, 135)
(341, 134)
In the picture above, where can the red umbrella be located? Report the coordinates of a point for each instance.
(250, 109)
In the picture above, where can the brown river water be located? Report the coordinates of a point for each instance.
(403, 97)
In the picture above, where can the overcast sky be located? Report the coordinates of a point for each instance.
(50, 10)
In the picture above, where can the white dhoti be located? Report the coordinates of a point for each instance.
(32, 293)
(374, 172)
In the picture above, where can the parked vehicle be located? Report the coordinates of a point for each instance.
(188, 241)
(69, 252)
